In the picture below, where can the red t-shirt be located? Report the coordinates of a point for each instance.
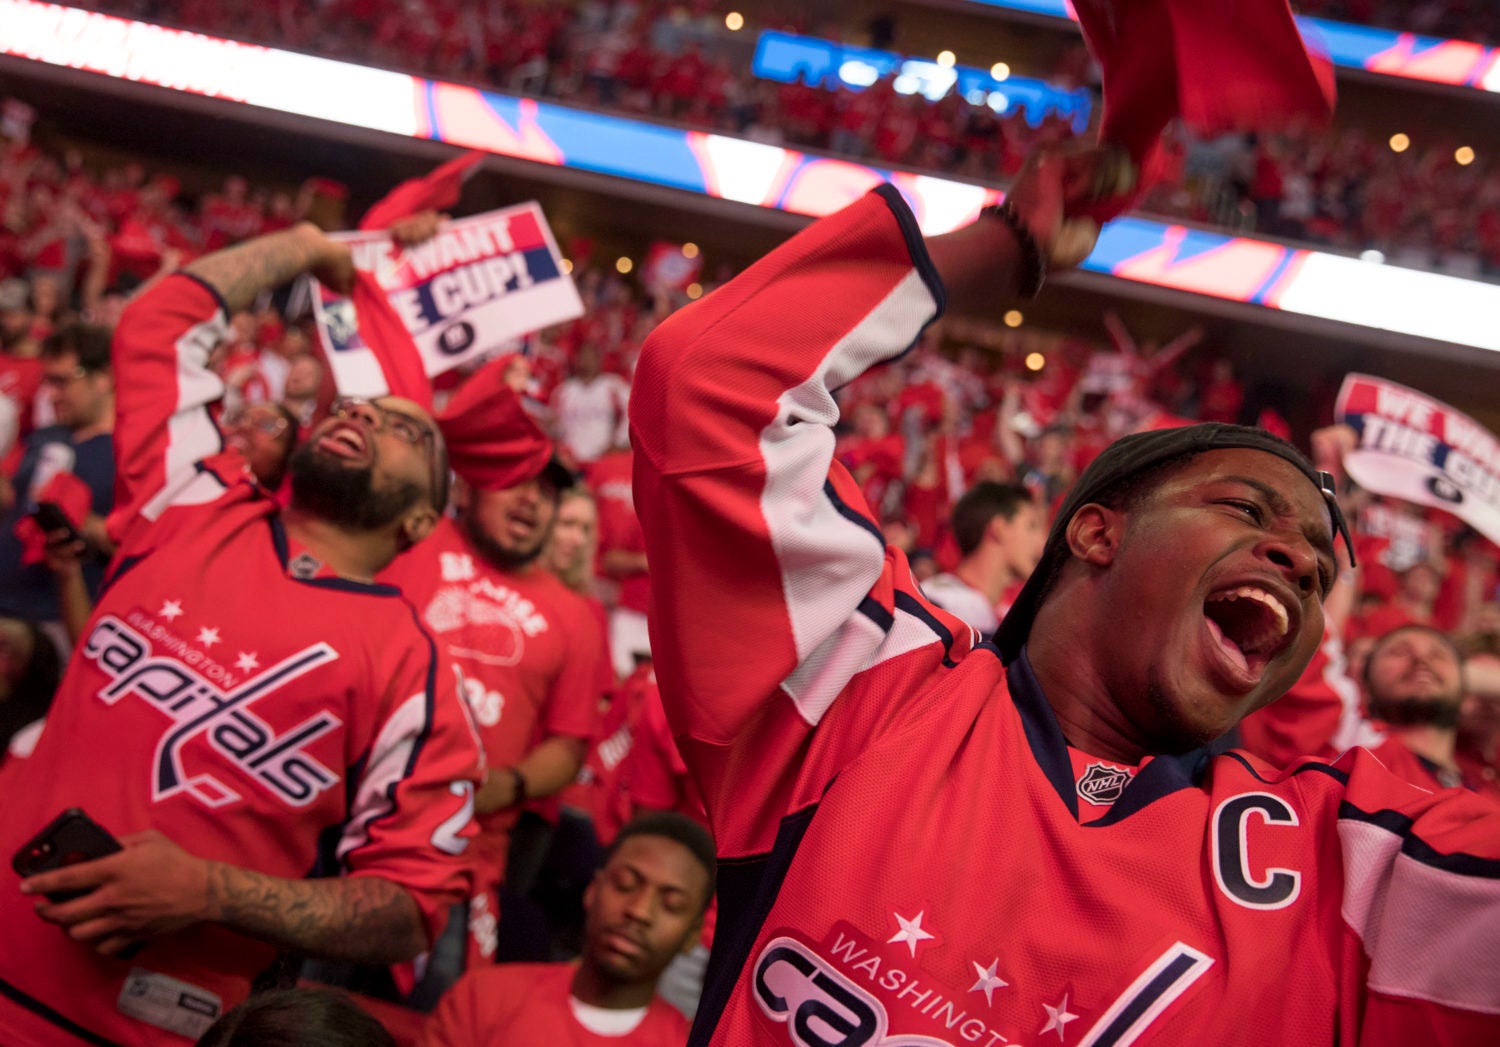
(526, 647)
(528, 1003)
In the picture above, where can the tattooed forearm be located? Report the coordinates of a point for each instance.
(242, 272)
(360, 918)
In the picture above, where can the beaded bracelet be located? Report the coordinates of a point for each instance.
(1033, 260)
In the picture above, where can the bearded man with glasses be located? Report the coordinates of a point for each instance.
(248, 708)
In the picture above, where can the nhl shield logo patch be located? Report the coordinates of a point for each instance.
(1101, 785)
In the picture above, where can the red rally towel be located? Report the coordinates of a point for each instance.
(381, 327)
(68, 493)
(1235, 65)
(492, 442)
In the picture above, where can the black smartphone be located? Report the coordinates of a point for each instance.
(70, 838)
(50, 517)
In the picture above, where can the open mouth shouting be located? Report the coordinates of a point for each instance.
(346, 440)
(1248, 625)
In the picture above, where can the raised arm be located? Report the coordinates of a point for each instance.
(161, 348)
(765, 553)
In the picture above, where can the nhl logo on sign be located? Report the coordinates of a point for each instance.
(1102, 785)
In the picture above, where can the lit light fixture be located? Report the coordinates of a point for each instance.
(690, 250)
(734, 21)
(946, 59)
(623, 265)
(1035, 361)
(1372, 256)
(1400, 143)
(1013, 318)
(694, 290)
(1464, 155)
(567, 265)
(1000, 71)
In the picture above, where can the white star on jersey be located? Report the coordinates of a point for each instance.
(171, 609)
(1057, 1017)
(247, 662)
(988, 980)
(911, 932)
(208, 637)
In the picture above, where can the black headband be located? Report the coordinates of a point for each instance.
(1130, 456)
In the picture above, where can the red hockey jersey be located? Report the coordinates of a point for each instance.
(528, 1003)
(903, 858)
(233, 694)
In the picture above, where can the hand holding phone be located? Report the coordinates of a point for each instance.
(70, 838)
(50, 517)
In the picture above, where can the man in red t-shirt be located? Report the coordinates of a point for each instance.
(645, 906)
(527, 650)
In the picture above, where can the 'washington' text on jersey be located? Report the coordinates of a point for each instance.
(195, 705)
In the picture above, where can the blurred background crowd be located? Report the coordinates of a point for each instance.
(84, 225)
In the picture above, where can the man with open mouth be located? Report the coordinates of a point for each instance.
(270, 735)
(928, 837)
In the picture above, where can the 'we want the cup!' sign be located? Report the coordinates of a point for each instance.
(1419, 449)
(477, 285)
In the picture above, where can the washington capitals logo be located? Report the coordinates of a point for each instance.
(196, 706)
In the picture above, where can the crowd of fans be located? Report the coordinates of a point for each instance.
(1472, 20)
(77, 242)
(1340, 187)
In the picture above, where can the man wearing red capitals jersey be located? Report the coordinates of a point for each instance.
(530, 650)
(644, 907)
(925, 839)
(247, 704)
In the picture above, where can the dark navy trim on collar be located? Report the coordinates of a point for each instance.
(1161, 777)
(1045, 737)
(348, 585)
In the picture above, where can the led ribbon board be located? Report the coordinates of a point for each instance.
(786, 58)
(1384, 51)
(1241, 269)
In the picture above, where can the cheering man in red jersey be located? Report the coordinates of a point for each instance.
(928, 839)
(247, 706)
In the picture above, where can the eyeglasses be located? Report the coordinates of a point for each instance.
(62, 381)
(267, 423)
(408, 430)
